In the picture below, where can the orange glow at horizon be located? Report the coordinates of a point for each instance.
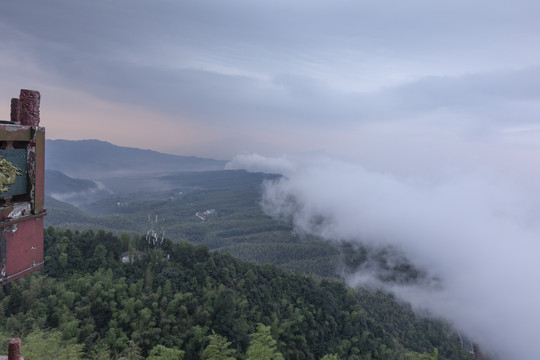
(76, 116)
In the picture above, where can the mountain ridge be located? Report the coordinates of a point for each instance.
(95, 159)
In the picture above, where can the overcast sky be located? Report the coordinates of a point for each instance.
(373, 81)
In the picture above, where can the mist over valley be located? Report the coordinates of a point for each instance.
(325, 218)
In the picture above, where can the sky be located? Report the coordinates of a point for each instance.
(371, 81)
(411, 123)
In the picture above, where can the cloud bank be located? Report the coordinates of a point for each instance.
(260, 163)
(476, 233)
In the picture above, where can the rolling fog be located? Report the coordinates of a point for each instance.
(475, 232)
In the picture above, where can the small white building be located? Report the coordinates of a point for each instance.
(135, 254)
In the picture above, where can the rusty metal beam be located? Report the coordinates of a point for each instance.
(9, 132)
(39, 170)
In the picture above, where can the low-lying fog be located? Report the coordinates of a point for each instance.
(476, 231)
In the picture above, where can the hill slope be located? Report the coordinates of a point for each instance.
(71, 190)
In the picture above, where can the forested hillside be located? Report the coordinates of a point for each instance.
(237, 225)
(184, 301)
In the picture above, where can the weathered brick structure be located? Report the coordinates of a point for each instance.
(14, 350)
(22, 172)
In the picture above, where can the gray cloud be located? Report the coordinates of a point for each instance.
(381, 82)
(477, 235)
(281, 61)
(259, 163)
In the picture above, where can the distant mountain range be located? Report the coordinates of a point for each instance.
(96, 160)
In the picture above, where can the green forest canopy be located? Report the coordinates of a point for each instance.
(182, 301)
